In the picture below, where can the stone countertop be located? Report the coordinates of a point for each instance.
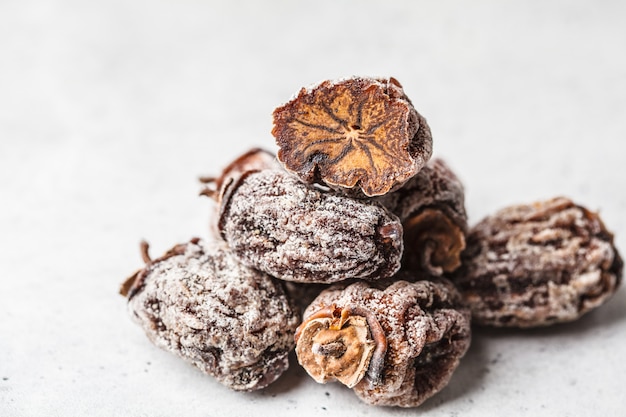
(110, 111)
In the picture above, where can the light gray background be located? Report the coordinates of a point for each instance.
(110, 110)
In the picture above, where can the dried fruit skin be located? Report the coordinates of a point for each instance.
(232, 322)
(538, 264)
(277, 224)
(431, 206)
(358, 133)
(426, 330)
(252, 160)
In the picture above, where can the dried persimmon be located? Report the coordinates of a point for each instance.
(357, 133)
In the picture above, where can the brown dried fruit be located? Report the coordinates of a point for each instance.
(431, 206)
(538, 264)
(200, 303)
(253, 160)
(416, 334)
(356, 132)
(275, 223)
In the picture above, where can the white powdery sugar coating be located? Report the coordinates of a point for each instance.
(254, 159)
(232, 322)
(539, 264)
(427, 330)
(274, 222)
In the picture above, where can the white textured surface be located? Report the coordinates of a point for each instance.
(110, 110)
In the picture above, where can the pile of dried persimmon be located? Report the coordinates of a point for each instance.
(353, 246)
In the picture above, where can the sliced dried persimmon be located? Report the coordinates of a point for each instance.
(354, 133)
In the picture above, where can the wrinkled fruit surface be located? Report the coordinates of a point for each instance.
(538, 264)
(426, 331)
(230, 321)
(296, 232)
